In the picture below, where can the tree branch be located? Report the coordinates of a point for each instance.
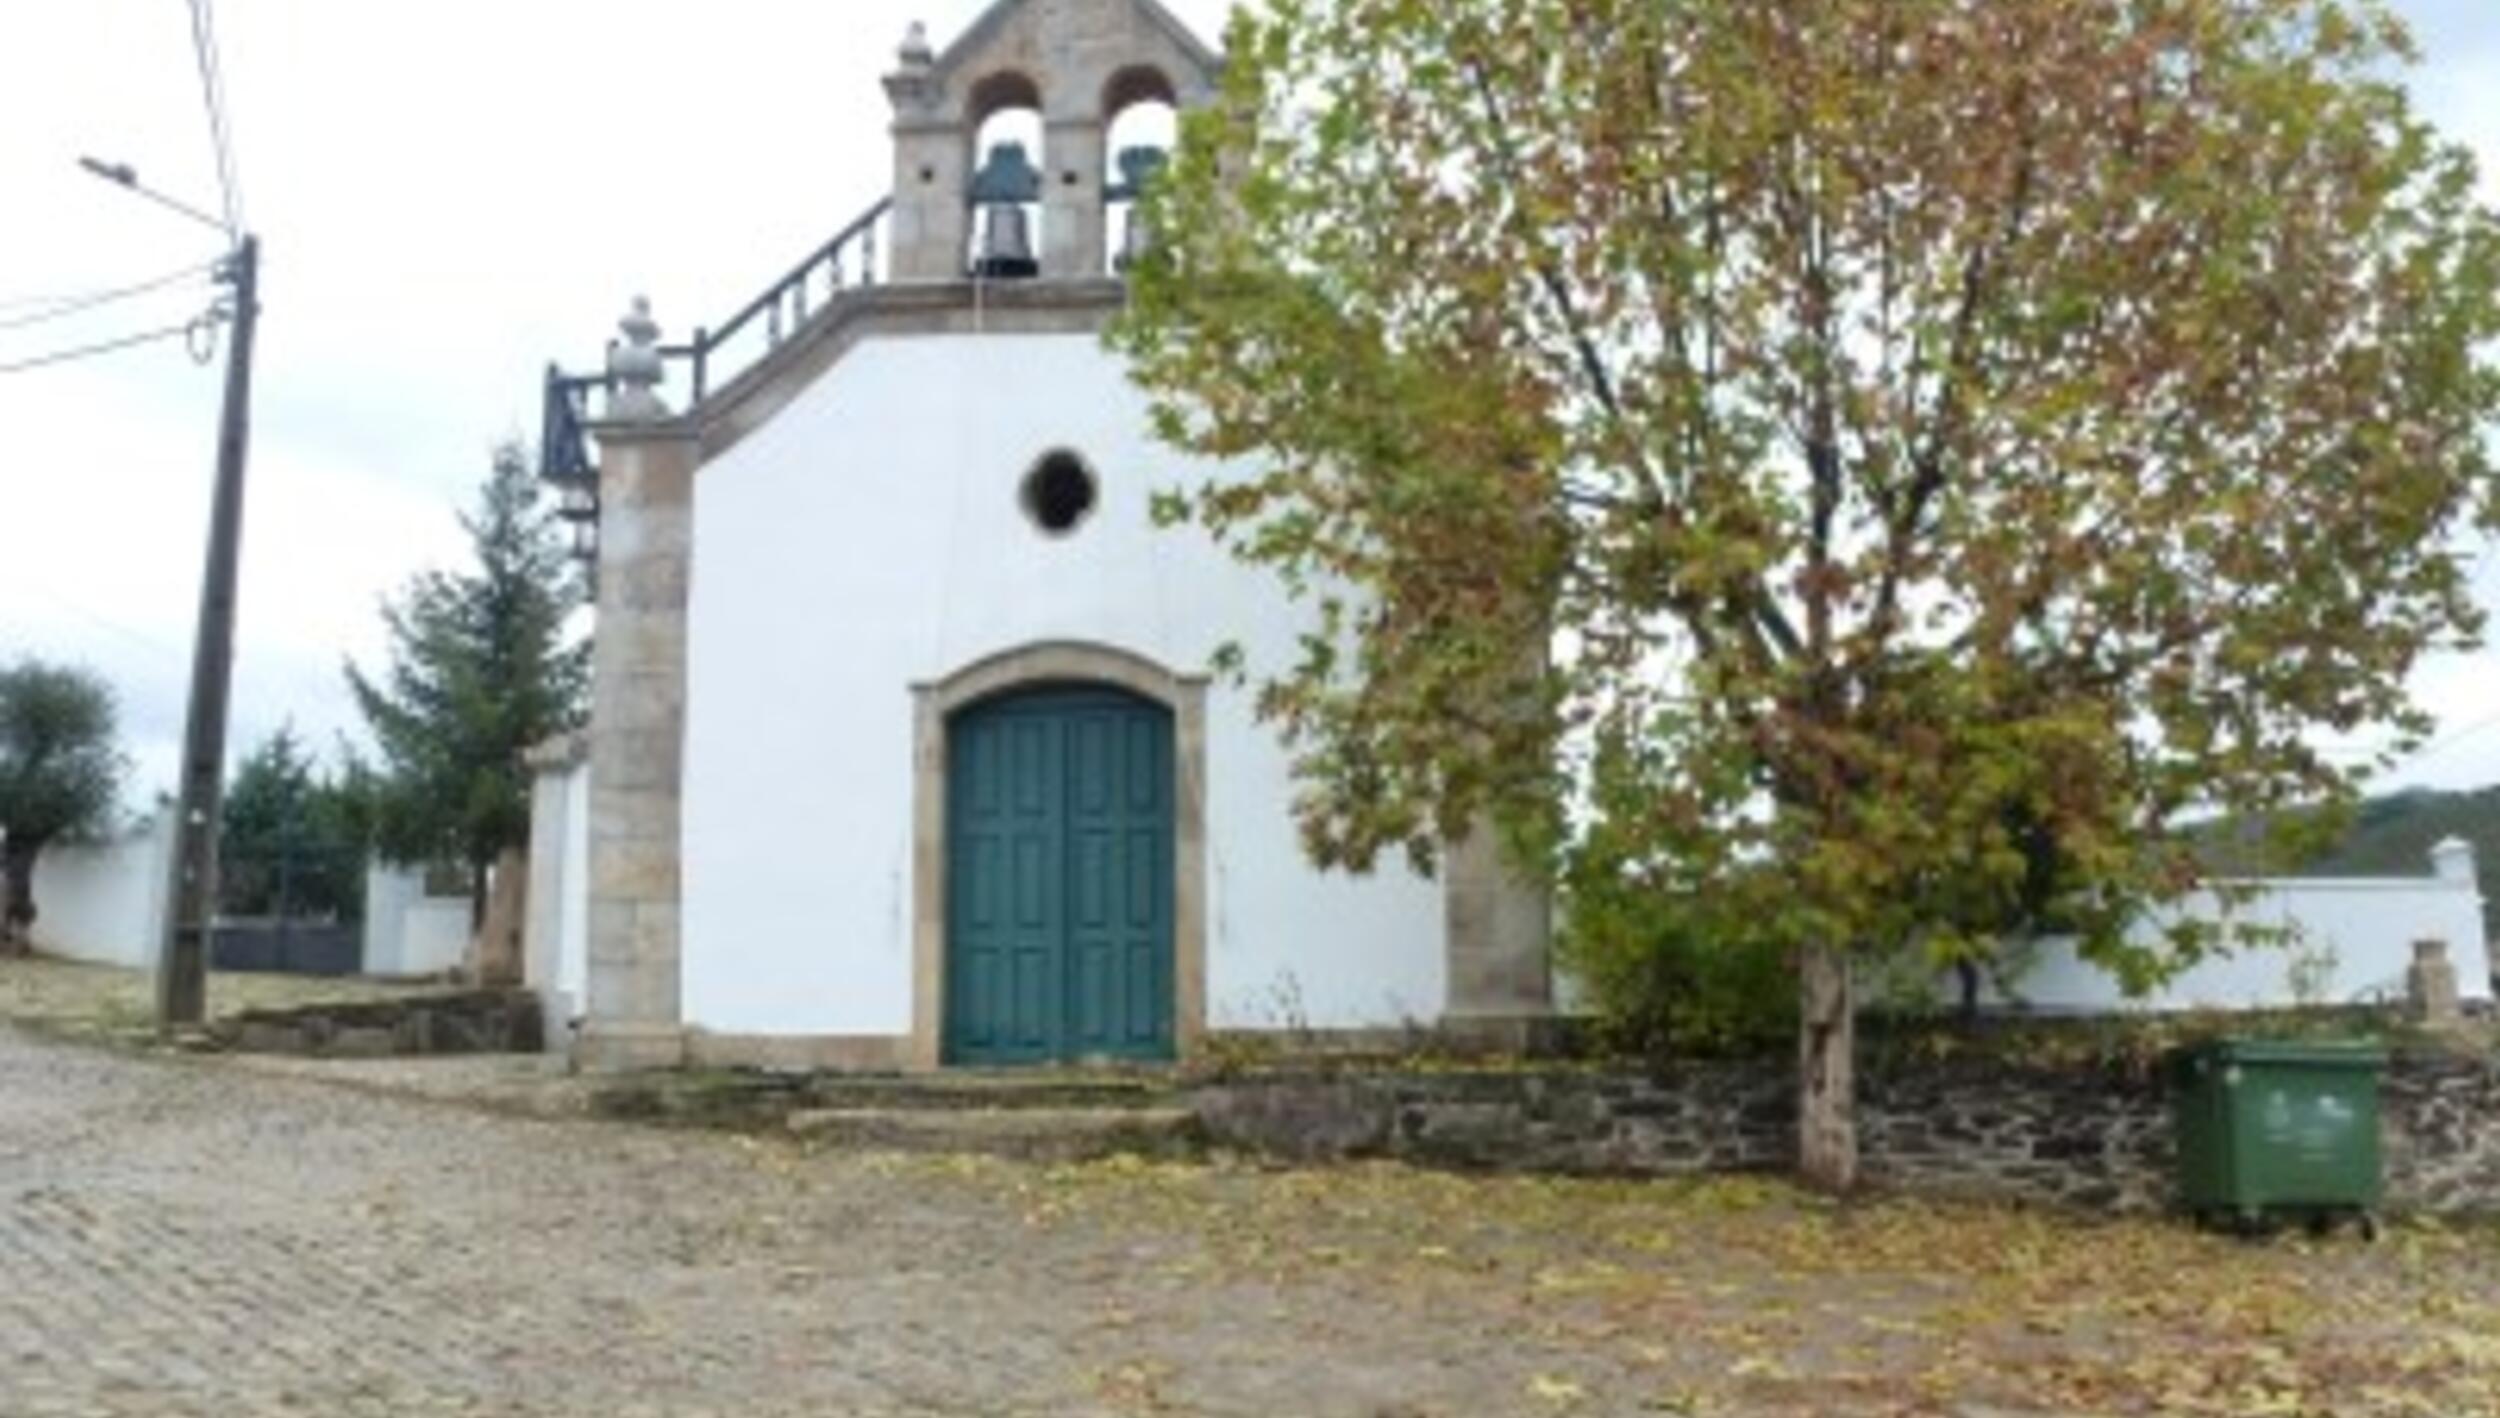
(1928, 471)
(1771, 626)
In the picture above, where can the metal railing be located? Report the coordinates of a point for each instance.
(850, 260)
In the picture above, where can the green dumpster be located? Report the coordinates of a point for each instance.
(2276, 1130)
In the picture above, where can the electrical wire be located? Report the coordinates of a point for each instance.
(213, 98)
(101, 347)
(98, 619)
(55, 307)
(2451, 740)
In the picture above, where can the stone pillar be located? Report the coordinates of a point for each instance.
(637, 716)
(1073, 242)
(1499, 938)
(931, 233)
(2431, 986)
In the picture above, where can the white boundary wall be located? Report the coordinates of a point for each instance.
(555, 946)
(105, 901)
(2351, 941)
(408, 933)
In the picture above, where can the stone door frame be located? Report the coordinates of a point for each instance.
(934, 703)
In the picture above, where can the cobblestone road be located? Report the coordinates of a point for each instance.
(180, 1238)
(188, 1237)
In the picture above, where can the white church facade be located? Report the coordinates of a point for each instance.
(903, 749)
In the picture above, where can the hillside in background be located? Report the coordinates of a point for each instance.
(2393, 835)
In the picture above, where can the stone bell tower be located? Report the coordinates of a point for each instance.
(1079, 63)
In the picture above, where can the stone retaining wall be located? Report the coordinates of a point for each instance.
(2089, 1137)
(460, 1022)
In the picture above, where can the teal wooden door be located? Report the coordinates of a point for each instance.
(1059, 879)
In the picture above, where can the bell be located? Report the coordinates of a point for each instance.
(1006, 244)
(1134, 241)
(1007, 176)
(1138, 167)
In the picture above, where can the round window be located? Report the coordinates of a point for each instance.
(1059, 493)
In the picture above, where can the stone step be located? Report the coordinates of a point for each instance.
(750, 1099)
(997, 1092)
(1049, 1134)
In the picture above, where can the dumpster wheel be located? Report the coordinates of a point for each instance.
(2365, 1224)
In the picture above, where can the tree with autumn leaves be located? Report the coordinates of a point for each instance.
(1856, 475)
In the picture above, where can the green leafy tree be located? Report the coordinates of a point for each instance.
(1942, 442)
(482, 668)
(292, 840)
(60, 773)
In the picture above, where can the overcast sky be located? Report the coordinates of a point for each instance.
(449, 195)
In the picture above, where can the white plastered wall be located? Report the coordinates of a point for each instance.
(105, 901)
(869, 537)
(408, 933)
(2349, 941)
(555, 940)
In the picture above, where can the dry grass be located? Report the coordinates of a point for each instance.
(110, 1002)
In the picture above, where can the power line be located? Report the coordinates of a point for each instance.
(55, 307)
(213, 98)
(96, 618)
(2449, 741)
(78, 352)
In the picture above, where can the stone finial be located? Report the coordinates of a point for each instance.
(2453, 860)
(912, 87)
(2431, 986)
(914, 52)
(634, 366)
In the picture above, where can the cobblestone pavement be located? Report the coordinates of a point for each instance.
(179, 1237)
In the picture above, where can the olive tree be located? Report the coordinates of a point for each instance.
(60, 773)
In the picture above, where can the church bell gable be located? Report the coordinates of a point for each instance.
(1078, 63)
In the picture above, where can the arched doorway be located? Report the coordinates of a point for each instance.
(1059, 877)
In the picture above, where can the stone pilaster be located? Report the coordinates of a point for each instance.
(638, 715)
(1073, 240)
(1499, 938)
(930, 238)
(931, 232)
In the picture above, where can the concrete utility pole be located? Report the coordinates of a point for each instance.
(191, 901)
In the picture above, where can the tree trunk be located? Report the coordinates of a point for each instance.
(495, 948)
(1827, 1121)
(17, 915)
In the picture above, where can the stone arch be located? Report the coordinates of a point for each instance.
(1135, 84)
(1140, 108)
(1034, 666)
(1003, 105)
(997, 91)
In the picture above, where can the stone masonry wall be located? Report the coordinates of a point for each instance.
(495, 1021)
(2095, 1138)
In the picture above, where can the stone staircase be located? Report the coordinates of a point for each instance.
(1038, 1115)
